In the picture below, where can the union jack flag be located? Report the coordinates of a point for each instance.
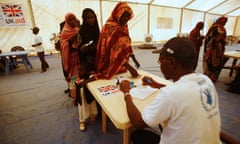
(12, 10)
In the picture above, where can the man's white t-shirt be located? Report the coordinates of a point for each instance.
(36, 39)
(188, 111)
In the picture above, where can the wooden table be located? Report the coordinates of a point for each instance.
(21, 54)
(111, 99)
(235, 55)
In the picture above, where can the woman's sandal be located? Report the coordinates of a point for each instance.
(82, 126)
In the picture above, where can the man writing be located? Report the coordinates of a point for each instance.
(187, 111)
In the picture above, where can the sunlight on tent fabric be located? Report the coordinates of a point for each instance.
(171, 3)
(235, 13)
(226, 7)
(135, 1)
(204, 5)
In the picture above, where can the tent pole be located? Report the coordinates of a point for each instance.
(148, 23)
(100, 8)
(181, 17)
(31, 13)
(235, 26)
(204, 20)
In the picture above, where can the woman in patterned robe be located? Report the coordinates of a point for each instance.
(114, 45)
(214, 49)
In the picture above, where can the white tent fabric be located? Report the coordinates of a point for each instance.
(162, 19)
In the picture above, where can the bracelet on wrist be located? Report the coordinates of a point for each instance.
(126, 93)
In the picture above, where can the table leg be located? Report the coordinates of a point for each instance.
(26, 62)
(7, 65)
(104, 129)
(126, 136)
(104, 122)
(232, 68)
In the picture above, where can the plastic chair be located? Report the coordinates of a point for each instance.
(15, 59)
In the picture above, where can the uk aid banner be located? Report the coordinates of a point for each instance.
(11, 15)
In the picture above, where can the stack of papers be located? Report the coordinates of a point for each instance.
(142, 92)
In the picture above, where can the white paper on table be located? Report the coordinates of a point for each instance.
(142, 92)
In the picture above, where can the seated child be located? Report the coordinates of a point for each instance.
(87, 106)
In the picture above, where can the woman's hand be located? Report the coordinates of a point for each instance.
(133, 71)
(137, 64)
(84, 47)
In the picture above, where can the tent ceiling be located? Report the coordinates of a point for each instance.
(221, 7)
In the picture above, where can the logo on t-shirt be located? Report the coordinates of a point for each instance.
(208, 99)
(208, 96)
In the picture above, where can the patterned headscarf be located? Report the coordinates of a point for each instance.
(112, 31)
(118, 11)
(222, 20)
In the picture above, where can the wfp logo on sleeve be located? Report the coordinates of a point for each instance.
(208, 99)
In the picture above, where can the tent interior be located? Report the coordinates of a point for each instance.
(160, 19)
(33, 106)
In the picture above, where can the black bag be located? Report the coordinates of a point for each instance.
(89, 55)
(57, 45)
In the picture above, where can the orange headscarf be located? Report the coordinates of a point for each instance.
(114, 45)
(67, 33)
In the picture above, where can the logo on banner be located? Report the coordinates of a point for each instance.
(11, 15)
(108, 90)
(12, 10)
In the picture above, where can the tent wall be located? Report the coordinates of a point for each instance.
(190, 18)
(162, 22)
(237, 28)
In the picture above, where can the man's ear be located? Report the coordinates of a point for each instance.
(171, 62)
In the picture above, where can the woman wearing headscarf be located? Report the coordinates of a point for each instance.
(196, 37)
(114, 45)
(69, 40)
(89, 32)
(214, 48)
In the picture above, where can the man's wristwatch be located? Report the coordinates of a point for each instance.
(126, 93)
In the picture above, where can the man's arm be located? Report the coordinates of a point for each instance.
(149, 81)
(133, 113)
(37, 44)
